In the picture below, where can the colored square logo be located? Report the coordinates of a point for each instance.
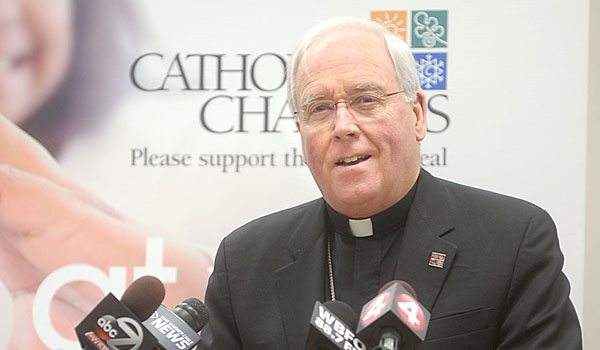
(432, 69)
(437, 260)
(394, 21)
(429, 29)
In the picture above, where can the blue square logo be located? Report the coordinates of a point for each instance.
(432, 69)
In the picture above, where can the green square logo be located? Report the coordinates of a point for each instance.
(429, 29)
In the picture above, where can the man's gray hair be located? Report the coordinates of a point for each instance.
(406, 70)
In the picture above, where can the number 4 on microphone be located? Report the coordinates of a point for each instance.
(411, 311)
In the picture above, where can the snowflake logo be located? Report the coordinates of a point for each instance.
(432, 70)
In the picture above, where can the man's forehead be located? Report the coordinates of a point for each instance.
(352, 69)
(336, 53)
(344, 47)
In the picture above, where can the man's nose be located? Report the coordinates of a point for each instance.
(344, 123)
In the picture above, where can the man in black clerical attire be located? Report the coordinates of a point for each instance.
(487, 266)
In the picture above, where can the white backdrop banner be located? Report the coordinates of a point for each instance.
(170, 126)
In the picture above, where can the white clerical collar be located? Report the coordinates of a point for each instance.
(361, 228)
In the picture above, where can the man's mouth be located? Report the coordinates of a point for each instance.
(352, 160)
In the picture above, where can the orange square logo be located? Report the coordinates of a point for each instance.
(394, 21)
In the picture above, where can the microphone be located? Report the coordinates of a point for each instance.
(144, 296)
(178, 329)
(330, 330)
(115, 324)
(394, 319)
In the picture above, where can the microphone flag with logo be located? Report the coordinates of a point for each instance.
(394, 319)
(117, 325)
(332, 327)
(178, 329)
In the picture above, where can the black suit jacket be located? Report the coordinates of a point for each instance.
(501, 286)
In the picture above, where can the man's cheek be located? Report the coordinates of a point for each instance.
(311, 151)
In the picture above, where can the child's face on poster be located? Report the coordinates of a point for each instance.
(35, 50)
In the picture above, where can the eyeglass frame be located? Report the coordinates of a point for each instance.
(349, 102)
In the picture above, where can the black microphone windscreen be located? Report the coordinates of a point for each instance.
(343, 311)
(144, 296)
(193, 312)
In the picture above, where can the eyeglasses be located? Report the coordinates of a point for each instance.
(361, 105)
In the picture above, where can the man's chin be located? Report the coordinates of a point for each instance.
(354, 203)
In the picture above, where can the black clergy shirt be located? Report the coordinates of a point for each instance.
(362, 265)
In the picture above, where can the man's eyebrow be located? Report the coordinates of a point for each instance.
(363, 87)
(311, 98)
(368, 87)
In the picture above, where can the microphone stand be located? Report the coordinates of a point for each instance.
(390, 340)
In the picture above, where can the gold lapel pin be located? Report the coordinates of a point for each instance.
(437, 260)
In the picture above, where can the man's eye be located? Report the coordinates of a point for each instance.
(320, 108)
(365, 100)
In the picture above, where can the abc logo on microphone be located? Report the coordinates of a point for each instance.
(105, 328)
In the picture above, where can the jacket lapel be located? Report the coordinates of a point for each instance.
(426, 224)
(302, 281)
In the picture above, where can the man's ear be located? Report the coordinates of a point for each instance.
(420, 111)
